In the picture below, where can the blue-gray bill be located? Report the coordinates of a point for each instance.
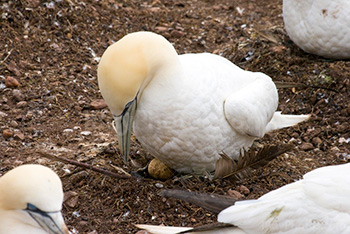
(51, 222)
(123, 126)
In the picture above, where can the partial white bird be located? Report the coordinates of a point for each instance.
(317, 204)
(185, 109)
(31, 199)
(319, 27)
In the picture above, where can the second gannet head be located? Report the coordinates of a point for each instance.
(31, 199)
(125, 70)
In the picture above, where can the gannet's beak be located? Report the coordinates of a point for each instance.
(51, 222)
(123, 127)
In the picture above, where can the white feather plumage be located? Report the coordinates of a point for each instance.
(317, 204)
(190, 107)
(319, 26)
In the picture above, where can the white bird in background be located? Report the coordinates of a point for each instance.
(317, 204)
(31, 199)
(185, 109)
(319, 27)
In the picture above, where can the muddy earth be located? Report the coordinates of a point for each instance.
(52, 49)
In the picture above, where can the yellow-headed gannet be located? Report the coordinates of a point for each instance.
(185, 109)
(317, 204)
(319, 27)
(31, 199)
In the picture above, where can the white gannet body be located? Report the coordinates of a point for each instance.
(31, 199)
(317, 204)
(186, 109)
(319, 27)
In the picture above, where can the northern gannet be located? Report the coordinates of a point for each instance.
(317, 204)
(320, 27)
(185, 109)
(31, 199)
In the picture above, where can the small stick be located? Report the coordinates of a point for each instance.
(85, 165)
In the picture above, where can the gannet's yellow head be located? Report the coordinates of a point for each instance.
(130, 62)
(37, 190)
(125, 70)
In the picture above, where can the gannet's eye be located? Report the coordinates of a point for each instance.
(33, 208)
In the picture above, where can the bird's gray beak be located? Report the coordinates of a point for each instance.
(123, 127)
(51, 222)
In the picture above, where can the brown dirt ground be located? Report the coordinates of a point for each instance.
(50, 47)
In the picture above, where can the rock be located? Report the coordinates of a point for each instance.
(235, 194)
(243, 189)
(19, 135)
(306, 146)
(21, 104)
(68, 130)
(154, 9)
(159, 185)
(71, 198)
(83, 223)
(7, 133)
(176, 33)
(13, 124)
(98, 104)
(2, 114)
(278, 49)
(161, 29)
(29, 115)
(86, 133)
(158, 170)
(11, 82)
(316, 140)
(18, 95)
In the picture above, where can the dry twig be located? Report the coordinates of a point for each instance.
(86, 166)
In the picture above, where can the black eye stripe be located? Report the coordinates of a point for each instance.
(33, 208)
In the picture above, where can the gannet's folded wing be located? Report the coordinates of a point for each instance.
(250, 109)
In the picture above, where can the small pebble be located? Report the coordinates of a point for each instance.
(18, 95)
(11, 82)
(316, 140)
(2, 114)
(98, 104)
(86, 133)
(7, 133)
(71, 198)
(243, 189)
(21, 104)
(159, 185)
(278, 49)
(13, 124)
(176, 33)
(68, 130)
(306, 146)
(161, 29)
(235, 194)
(19, 136)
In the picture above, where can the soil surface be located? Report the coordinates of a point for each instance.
(52, 49)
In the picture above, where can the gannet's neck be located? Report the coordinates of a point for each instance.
(129, 65)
